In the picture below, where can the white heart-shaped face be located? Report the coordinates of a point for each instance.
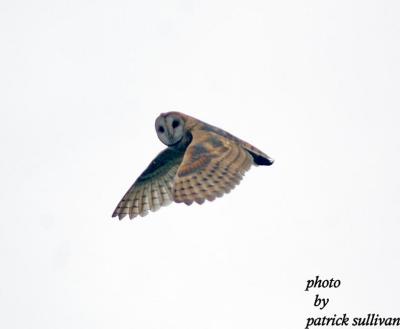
(170, 128)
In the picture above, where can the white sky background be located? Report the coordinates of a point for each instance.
(314, 84)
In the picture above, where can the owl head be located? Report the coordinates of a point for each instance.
(170, 128)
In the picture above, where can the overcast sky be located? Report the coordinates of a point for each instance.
(314, 84)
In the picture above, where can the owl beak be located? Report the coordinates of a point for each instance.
(170, 131)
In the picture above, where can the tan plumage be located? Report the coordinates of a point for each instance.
(202, 162)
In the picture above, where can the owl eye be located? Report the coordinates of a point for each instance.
(175, 123)
(161, 129)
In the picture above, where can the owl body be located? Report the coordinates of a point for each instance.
(201, 162)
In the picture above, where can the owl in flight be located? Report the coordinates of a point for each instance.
(201, 162)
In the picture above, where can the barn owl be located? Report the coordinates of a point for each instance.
(201, 162)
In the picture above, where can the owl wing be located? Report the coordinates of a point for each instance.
(153, 188)
(212, 165)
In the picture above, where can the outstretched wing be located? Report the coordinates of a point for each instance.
(213, 165)
(153, 188)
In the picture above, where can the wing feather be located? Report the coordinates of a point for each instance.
(212, 166)
(153, 188)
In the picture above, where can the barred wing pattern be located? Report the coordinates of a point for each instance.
(212, 165)
(153, 188)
